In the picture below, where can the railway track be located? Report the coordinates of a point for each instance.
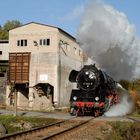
(133, 119)
(58, 130)
(48, 131)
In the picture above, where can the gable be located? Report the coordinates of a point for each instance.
(33, 27)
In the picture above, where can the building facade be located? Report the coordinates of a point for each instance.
(53, 54)
(4, 52)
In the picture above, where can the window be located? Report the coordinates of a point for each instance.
(1, 74)
(0, 52)
(48, 41)
(18, 43)
(44, 42)
(41, 42)
(22, 42)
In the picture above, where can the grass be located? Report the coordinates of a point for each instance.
(14, 124)
(135, 114)
(124, 131)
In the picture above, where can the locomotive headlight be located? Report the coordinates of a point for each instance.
(74, 98)
(96, 98)
(87, 72)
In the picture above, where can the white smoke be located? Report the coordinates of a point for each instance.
(124, 107)
(106, 35)
(89, 61)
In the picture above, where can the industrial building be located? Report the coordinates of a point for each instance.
(4, 56)
(40, 60)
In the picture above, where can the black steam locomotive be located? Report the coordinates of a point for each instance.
(95, 93)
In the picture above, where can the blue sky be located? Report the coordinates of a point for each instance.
(64, 14)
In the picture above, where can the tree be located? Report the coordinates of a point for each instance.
(126, 84)
(3, 35)
(11, 24)
(4, 31)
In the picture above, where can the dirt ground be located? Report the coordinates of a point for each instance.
(95, 130)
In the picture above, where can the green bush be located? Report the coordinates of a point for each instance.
(126, 84)
(124, 131)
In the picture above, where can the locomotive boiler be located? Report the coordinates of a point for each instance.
(95, 93)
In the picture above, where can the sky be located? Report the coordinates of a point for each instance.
(65, 14)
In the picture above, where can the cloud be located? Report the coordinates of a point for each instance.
(106, 34)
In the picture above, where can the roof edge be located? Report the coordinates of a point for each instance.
(61, 30)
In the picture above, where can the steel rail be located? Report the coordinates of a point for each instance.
(66, 130)
(31, 131)
(133, 119)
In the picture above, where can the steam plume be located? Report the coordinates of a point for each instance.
(124, 107)
(108, 37)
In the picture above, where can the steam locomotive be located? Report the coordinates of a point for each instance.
(95, 94)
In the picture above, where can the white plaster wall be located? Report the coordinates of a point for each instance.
(48, 61)
(5, 51)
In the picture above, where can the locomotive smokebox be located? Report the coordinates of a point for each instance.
(87, 78)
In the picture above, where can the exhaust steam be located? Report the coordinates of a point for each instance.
(125, 105)
(108, 37)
